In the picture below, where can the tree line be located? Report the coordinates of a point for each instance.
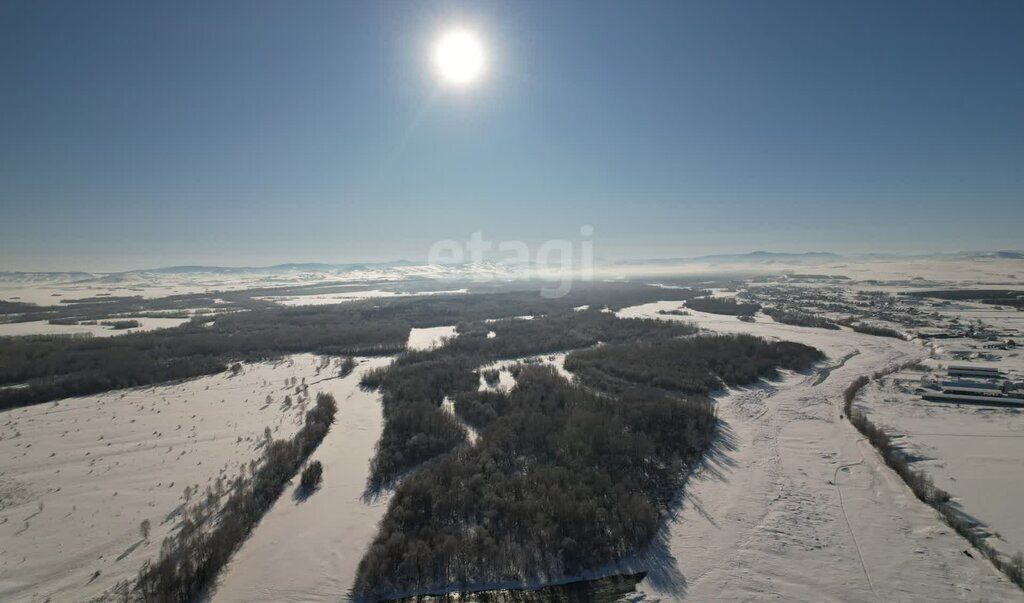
(800, 319)
(190, 559)
(55, 367)
(692, 365)
(723, 305)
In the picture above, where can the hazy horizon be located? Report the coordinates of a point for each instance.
(735, 255)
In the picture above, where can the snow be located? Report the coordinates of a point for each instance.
(42, 327)
(974, 452)
(348, 296)
(308, 550)
(792, 504)
(102, 464)
(762, 519)
(448, 406)
(430, 337)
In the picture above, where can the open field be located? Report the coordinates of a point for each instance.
(306, 549)
(974, 452)
(803, 508)
(791, 502)
(20, 329)
(80, 475)
(429, 338)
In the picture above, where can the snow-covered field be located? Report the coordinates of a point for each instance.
(324, 299)
(429, 338)
(793, 504)
(308, 549)
(78, 476)
(976, 453)
(42, 327)
(796, 505)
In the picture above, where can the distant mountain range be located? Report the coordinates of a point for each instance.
(754, 257)
(819, 257)
(767, 256)
(304, 267)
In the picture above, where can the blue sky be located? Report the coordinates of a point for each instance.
(138, 134)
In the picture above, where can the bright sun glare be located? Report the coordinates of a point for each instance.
(459, 57)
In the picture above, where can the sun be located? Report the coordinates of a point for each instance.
(459, 57)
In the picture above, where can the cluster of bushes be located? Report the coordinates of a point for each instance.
(723, 305)
(692, 365)
(346, 366)
(867, 329)
(800, 319)
(677, 312)
(561, 480)
(121, 324)
(190, 559)
(479, 408)
(311, 476)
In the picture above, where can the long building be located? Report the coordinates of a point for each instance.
(975, 368)
(978, 372)
(980, 388)
(973, 399)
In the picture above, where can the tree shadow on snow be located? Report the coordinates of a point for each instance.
(301, 493)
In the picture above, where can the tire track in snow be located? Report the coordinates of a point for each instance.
(842, 507)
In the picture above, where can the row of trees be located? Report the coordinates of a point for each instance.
(190, 559)
(723, 305)
(800, 319)
(920, 483)
(878, 331)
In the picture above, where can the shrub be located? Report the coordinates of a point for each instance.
(121, 324)
(311, 476)
(877, 331)
(347, 365)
